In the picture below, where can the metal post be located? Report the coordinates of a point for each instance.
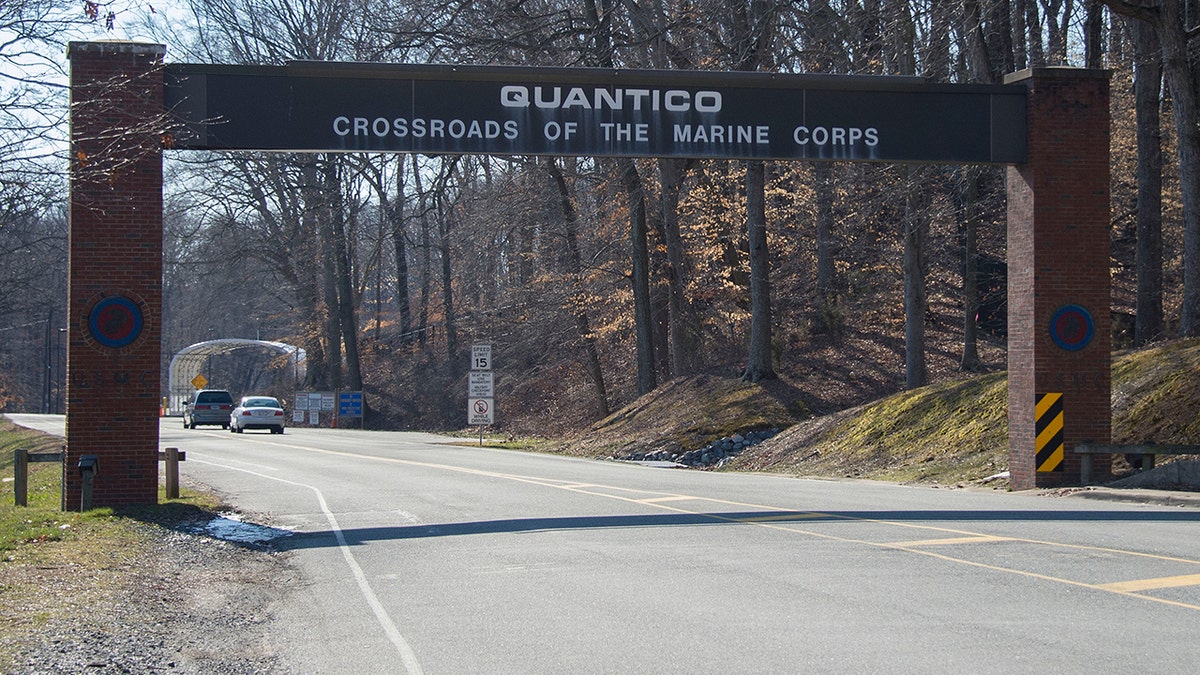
(85, 498)
(89, 466)
(1085, 469)
(48, 365)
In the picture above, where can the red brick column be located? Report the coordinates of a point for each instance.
(115, 272)
(1059, 319)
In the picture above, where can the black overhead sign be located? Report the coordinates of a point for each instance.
(310, 106)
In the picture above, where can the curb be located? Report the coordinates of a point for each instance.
(1140, 496)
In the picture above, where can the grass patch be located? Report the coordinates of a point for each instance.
(945, 433)
(43, 519)
(1156, 394)
(957, 432)
(56, 563)
(470, 439)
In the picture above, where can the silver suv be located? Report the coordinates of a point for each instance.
(208, 406)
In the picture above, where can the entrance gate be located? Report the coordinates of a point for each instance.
(1049, 125)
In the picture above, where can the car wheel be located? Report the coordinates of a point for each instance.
(281, 430)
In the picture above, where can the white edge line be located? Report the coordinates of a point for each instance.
(411, 664)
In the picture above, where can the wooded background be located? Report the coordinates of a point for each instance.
(597, 280)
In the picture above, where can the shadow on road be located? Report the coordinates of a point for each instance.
(359, 536)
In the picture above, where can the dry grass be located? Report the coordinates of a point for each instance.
(954, 432)
(685, 414)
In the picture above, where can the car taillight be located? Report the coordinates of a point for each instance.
(279, 413)
(227, 407)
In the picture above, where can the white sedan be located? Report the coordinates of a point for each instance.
(257, 412)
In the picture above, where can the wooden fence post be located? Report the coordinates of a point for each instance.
(172, 473)
(21, 477)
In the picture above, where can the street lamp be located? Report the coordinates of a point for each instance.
(60, 355)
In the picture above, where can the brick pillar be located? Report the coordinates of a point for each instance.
(115, 275)
(1059, 335)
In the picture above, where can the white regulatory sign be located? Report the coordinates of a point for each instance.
(480, 411)
(480, 384)
(481, 357)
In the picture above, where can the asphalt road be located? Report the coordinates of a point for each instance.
(420, 556)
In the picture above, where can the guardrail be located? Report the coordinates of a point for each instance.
(22, 458)
(1146, 450)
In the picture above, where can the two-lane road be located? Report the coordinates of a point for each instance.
(420, 556)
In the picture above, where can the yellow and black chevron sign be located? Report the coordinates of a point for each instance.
(1048, 422)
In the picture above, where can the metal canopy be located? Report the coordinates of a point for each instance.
(189, 361)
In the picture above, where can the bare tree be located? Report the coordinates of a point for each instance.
(1174, 35)
(570, 220)
(1147, 84)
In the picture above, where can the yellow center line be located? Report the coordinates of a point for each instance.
(947, 542)
(1153, 584)
(772, 521)
(782, 517)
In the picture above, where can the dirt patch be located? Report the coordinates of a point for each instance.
(186, 603)
(687, 413)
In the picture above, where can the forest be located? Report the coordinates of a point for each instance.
(597, 280)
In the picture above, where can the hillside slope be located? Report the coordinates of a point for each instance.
(947, 433)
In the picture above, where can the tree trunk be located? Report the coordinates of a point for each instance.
(1148, 324)
(682, 324)
(400, 247)
(1020, 51)
(1093, 35)
(426, 271)
(346, 301)
(1182, 84)
(444, 226)
(828, 317)
(979, 62)
(317, 202)
(759, 358)
(640, 276)
(916, 226)
(660, 293)
(575, 267)
(1033, 25)
(970, 270)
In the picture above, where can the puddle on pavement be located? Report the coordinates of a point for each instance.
(231, 527)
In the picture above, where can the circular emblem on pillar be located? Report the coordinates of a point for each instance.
(1072, 327)
(115, 321)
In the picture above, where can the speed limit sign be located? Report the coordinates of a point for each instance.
(481, 357)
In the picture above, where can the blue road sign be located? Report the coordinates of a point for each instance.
(350, 404)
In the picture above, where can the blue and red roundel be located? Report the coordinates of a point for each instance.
(115, 322)
(1072, 327)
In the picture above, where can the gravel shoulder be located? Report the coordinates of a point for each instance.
(183, 603)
